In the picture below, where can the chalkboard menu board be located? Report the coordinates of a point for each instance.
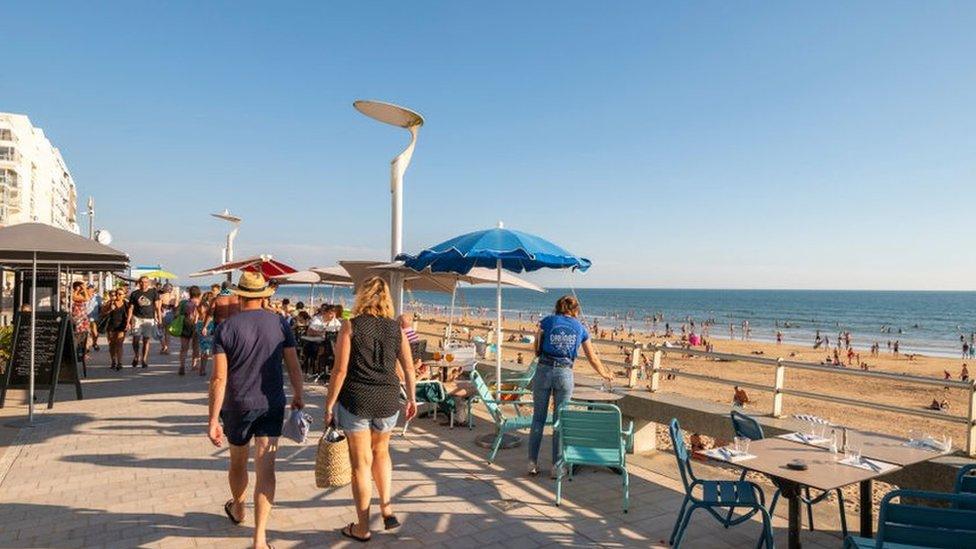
(55, 360)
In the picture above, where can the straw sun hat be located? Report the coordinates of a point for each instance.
(252, 284)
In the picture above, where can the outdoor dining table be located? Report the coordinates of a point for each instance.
(825, 472)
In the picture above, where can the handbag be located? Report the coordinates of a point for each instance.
(332, 466)
(175, 327)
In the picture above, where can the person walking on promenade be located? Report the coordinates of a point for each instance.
(167, 302)
(95, 315)
(247, 397)
(80, 298)
(364, 398)
(115, 310)
(145, 313)
(189, 344)
(557, 344)
(225, 304)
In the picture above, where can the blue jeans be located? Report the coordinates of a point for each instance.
(554, 383)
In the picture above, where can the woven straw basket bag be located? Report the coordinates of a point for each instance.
(332, 467)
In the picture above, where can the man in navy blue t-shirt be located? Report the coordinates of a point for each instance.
(247, 396)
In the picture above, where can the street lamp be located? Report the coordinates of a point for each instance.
(236, 224)
(395, 115)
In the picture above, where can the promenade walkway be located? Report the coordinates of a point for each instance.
(130, 466)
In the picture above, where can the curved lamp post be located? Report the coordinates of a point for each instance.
(395, 115)
(236, 224)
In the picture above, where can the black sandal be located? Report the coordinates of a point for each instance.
(390, 522)
(347, 532)
(230, 513)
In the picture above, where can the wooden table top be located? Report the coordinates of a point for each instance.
(823, 471)
(589, 394)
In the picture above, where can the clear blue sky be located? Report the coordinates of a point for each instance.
(682, 144)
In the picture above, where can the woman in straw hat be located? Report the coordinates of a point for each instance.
(364, 398)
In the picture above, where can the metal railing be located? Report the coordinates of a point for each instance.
(778, 387)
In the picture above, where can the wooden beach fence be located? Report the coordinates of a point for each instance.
(778, 388)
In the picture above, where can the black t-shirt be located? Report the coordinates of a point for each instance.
(144, 303)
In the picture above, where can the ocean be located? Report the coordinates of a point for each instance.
(923, 322)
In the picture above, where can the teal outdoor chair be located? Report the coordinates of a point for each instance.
(716, 496)
(432, 392)
(966, 482)
(747, 426)
(591, 434)
(503, 423)
(912, 525)
(519, 384)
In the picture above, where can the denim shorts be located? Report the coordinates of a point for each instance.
(241, 425)
(351, 423)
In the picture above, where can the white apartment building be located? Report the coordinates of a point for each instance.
(35, 184)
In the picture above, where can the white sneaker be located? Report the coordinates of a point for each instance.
(557, 472)
(533, 469)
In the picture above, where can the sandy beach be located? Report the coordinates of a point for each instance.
(890, 392)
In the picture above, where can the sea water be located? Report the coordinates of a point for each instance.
(922, 322)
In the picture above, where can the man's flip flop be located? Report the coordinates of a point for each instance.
(230, 514)
(390, 522)
(347, 532)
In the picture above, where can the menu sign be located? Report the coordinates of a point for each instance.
(55, 360)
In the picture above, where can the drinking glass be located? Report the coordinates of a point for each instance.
(741, 445)
(946, 442)
(449, 357)
(914, 436)
(437, 356)
(853, 452)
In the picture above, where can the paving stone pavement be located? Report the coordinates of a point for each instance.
(130, 466)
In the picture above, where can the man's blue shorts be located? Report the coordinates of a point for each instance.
(241, 425)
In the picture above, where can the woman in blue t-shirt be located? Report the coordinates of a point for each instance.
(556, 345)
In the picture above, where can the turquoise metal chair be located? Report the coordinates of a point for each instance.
(909, 524)
(591, 434)
(503, 424)
(966, 482)
(432, 392)
(747, 426)
(716, 496)
(520, 385)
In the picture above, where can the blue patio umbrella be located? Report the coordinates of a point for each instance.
(498, 248)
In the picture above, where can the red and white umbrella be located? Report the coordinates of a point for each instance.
(264, 264)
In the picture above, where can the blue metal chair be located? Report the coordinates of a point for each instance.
(716, 496)
(965, 482)
(909, 524)
(591, 434)
(747, 426)
(503, 424)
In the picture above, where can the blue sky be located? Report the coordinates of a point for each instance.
(682, 144)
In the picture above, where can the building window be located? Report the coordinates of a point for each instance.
(8, 177)
(7, 153)
(6, 134)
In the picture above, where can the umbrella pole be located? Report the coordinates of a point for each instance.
(311, 295)
(498, 331)
(450, 318)
(30, 393)
(509, 440)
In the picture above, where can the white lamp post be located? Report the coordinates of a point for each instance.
(236, 224)
(411, 121)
